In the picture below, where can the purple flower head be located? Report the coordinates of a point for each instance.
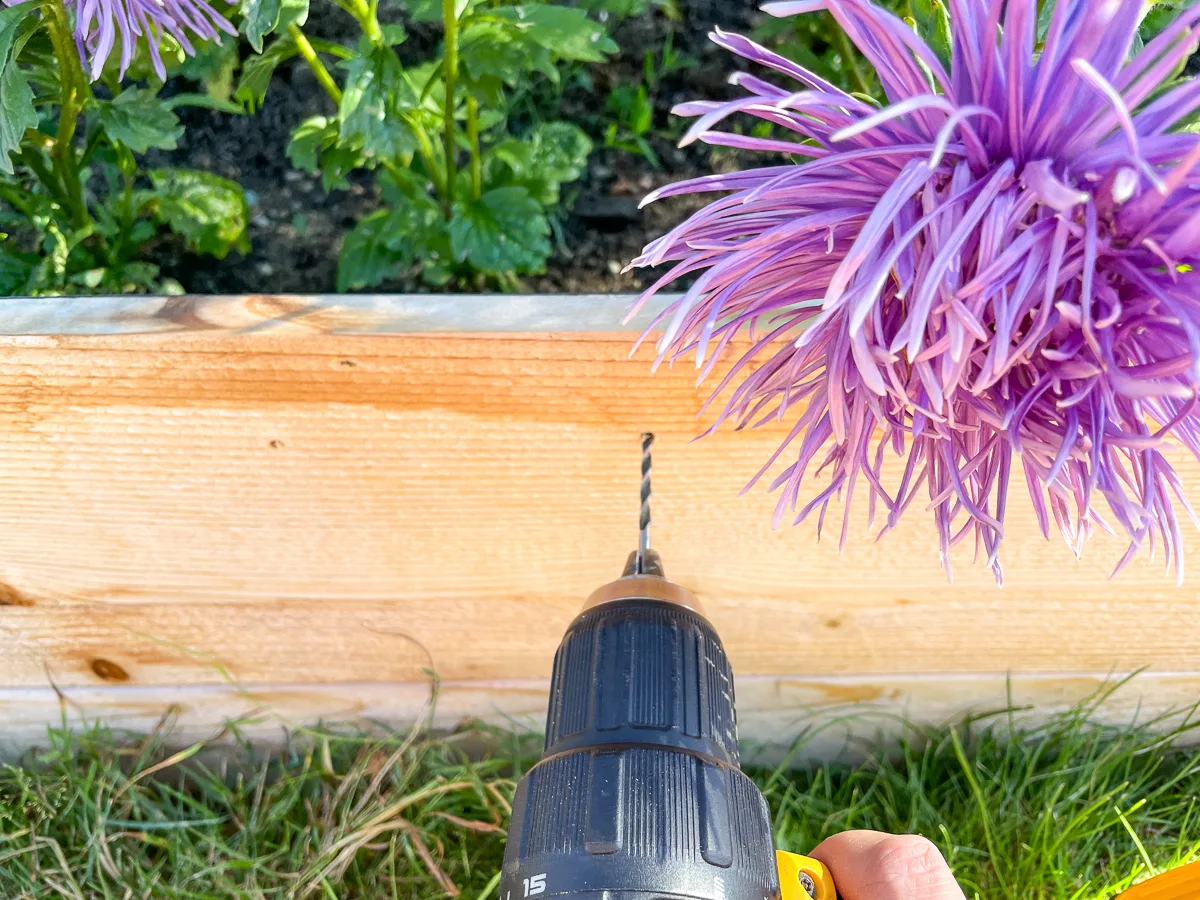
(994, 270)
(99, 23)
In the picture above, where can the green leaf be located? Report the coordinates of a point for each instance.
(431, 10)
(385, 243)
(209, 212)
(257, 72)
(263, 17)
(292, 12)
(566, 32)
(314, 146)
(552, 154)
(488, 90)
(15, 270)
(16, 99)
(204, 101)
(632, 106)
(1158, 16)
(932, 23)
(504, 231)
(336, 163)
(140, 120)
(368, 256)
(619, 9)
(1045, 14)
(309, 138)
(394, 34)
(495, 49)
(377, 93)
(560, 151)
(404, 186)
(213, 66)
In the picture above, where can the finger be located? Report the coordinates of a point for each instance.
(870, 865)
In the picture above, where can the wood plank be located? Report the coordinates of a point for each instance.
(839, 717)
(322, 313)
(293, 505)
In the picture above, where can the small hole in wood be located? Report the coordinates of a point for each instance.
(276, 444)
(349, 363)
(107, 670)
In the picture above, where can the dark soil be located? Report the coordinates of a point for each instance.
(297, 229)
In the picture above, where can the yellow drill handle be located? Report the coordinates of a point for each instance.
(797, 873)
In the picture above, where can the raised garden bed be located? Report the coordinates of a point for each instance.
(297, 507)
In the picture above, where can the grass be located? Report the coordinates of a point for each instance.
(1070, 810)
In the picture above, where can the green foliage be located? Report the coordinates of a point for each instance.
(390, 241)
(376, 99)
(632, 104)
(552, 154)
(208, 211)
(465, 196)
(213, 67)
(633, 115)
(75, 210)
(624, 9)
(16, 98)
(139, 120)
(263, 17)
(1160, 14)
(503, 230)
(566, 32)
(931, 20)
(1058, 812)
(257, 72)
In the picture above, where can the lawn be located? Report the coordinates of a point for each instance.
(1071, 809)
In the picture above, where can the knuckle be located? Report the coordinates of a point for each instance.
(911, 859)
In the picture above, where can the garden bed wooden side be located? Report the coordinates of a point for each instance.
(296, 508)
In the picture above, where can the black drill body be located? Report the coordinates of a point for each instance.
(638, 793)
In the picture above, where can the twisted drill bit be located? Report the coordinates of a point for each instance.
(644, 519)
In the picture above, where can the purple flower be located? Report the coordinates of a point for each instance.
(992, 271)
(99, 24)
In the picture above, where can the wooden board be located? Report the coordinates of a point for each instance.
(841, 718)
(340, 492)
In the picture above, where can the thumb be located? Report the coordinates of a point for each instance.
(871, 865)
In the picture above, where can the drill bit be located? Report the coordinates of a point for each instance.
(644, 519)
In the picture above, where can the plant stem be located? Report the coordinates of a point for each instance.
(366, 14)
(314, 62)
(374, 32)
(847, 52)
(128, 214)
(450, 77)
(74, 94)
(428, 156)
(473, 140)
(51, 182)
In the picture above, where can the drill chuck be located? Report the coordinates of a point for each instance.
(639, 793)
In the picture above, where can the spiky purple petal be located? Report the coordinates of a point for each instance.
(994, 269)
(99, 24)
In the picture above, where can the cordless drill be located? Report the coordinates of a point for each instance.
(638, 794)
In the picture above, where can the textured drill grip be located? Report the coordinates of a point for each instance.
(638, 793)
(642, 671)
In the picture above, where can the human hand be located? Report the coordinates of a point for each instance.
(871, 865)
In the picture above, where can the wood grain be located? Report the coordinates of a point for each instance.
(840, 717)
(321, 313)
(275, 491)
